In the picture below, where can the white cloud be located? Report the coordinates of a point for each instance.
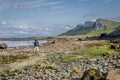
(93, 20)
(27, 4)
(28, 27)
(32, 29)
(23, 26)
(22, 32)
(56, 7)
(68, 27)
(47, 33)
(46, 29)
(55, 3)
(3, 23)
(5, 4)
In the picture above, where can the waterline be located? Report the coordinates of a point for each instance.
(21, 43)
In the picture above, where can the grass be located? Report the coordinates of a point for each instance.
(95, 51)
(11, 59)
(63, 58)
(92, 50)
(71, 59)
(109, 28)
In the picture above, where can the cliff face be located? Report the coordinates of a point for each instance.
(90, 27)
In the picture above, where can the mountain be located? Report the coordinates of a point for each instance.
(95, 28)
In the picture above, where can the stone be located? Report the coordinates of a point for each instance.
(3, 46)
(80, 39)
(77, 72)
(92, 74)
(115, 46)
(117, 66)
(118, 56)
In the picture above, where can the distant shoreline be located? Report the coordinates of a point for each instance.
(25, 39)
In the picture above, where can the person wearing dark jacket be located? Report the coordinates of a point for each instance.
(36, 45)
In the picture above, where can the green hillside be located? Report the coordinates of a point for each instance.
(93, 28)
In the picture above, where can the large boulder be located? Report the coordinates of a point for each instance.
(92, 74)
(3, 46)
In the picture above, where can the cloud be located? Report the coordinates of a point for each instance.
(46, 29)
(3, 23)
(27, 4)
(32, 29)
(22, 32)
(56, 7)
(68, 27)
(23, 27)
(117, 18)
(55, 3)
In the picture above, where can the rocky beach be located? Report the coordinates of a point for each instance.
(59, 39)
(61, 59)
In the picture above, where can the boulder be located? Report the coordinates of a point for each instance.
(80, 39)
(92, 74)
(103, 35)
(3, 46)
(115, 46)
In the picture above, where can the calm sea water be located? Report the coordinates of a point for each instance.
(20, 43)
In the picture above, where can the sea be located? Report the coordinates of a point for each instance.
(21, 43)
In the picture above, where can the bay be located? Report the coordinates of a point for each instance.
(21, 43)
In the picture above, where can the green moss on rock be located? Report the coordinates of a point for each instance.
(92, 74)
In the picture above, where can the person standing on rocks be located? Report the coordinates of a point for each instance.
(36, 45)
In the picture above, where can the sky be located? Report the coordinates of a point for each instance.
(28, 18)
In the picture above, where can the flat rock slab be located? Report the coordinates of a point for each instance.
(114, 74)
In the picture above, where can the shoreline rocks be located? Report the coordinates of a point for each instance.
(67, 71)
